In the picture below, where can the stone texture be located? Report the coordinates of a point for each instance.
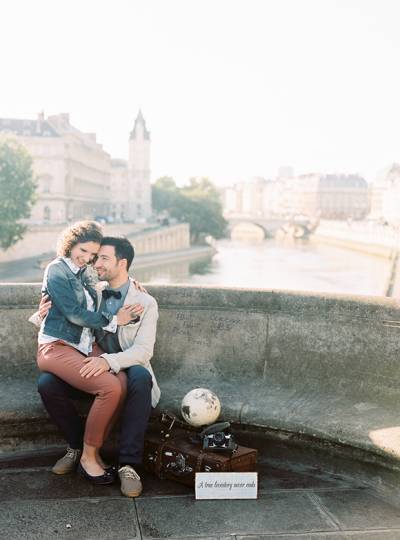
(277, 512)
(78, 520)
(38, 483)
(360, 535)
(297, 499)
(322, 368)
(355, 509)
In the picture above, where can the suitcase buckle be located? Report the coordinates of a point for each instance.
(167, 419)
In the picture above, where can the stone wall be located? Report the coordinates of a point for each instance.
(306, 366)
(42, 240)
(163, 239)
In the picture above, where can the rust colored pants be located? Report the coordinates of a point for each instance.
(109, 390)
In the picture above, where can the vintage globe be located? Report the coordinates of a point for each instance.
(200, 407)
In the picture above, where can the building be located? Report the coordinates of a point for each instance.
(77, 179)
(385, 196)
(343, 196)
(330, 196)
(119, 189)
(245, 198)
(130, 180)
(72, 169)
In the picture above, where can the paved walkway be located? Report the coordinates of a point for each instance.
(297, 500)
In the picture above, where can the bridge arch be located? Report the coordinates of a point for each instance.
(248, 230)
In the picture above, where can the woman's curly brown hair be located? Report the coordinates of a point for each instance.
(79, 232)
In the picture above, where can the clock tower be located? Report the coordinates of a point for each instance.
(139, 188)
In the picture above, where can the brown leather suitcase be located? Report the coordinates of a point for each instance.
(179, 457)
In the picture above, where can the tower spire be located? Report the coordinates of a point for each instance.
(140, 121)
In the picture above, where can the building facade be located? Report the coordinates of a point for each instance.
(119, 190)
(130, 180)
(247, 198)
(77, 179)
(329, 196)
(71, 168)
(385, 196)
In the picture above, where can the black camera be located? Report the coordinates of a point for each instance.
(218, 437)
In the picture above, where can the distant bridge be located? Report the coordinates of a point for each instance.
(297, 226)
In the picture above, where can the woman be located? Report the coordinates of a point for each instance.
(65, 339)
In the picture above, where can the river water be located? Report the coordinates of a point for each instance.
(280, 264)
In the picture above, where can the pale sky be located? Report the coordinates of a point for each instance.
(230, 89)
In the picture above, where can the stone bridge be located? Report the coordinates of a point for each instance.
(316, 372)
(269, 225)
(295, 226)
(318, 367)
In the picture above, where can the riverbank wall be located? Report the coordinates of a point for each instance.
(31, 269)
(40, 241)
(359, 236)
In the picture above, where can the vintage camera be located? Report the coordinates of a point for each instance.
(218, 437)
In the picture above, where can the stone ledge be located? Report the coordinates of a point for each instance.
(317, 368)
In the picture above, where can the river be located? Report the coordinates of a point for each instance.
(280, 264)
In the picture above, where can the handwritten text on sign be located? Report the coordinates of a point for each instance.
(229, 485)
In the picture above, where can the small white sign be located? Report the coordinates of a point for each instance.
(226, 485)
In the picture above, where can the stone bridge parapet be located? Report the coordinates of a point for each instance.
(318, 368)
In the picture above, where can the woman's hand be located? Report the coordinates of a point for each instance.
(94, 366)
(128, 312)
(137, 310)
(44, 306)
(138, 286)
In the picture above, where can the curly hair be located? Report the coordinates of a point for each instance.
(79, 232)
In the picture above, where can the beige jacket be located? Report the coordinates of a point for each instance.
(136, 340)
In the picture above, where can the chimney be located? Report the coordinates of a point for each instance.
(39, 122)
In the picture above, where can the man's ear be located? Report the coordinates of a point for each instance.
(123, 264)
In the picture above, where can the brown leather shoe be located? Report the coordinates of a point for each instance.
(67, 463)
(131, 486)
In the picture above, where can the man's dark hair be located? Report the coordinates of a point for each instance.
(123, 248)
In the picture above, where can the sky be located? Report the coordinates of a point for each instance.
(230, 89)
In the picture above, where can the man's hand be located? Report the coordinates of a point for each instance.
(94, 366)
(44, 306)
(128, 312)
(138, 286)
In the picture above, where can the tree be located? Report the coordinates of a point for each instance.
(17, 191)
(164, 194)
(201, 187)
(197, 203)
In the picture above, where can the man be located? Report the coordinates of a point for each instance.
(129, 349)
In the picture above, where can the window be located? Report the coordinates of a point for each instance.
(45, 183)
(46, 213)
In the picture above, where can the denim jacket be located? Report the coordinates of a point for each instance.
(68, 313)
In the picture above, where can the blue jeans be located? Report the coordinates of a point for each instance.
(58, 396)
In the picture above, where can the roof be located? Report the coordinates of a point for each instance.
(343, 181)
(140, 120)
(27, 128)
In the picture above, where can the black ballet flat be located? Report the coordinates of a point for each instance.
(102, 480)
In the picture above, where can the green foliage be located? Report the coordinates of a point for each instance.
(164, 194)
(197, 203)
(17, 191)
